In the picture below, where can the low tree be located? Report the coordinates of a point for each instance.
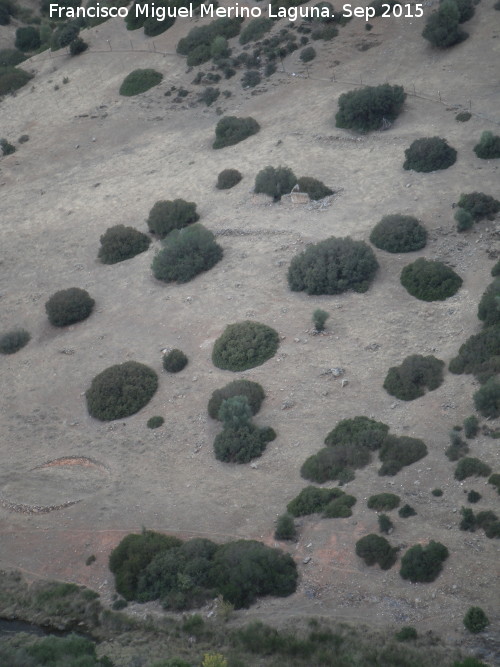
(487, 399)
(464, 220)
(69, 306)
(275, 182)
(442, 27)
(488, 147)
(119, 243)
(165, 216)
(314, 188)
(285, 528)
(423, 564)
(319, 318)
(77, 46)
(489, 307)
(28, 39)
(385, 525)
(251, 390)
(430, 153)
(430, 280)
(374, 549)
(174, 361)
(416, 374)
(399, 233)
(366, 109)
(231, 130)
(479, 205)
(400, 451)
(475, 620)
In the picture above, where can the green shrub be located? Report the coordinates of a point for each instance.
(488, 147)
(406, 633)
(478, 352)
(469, 466)
(339, 508)
(442, 27)
(463, 116)
(429, 154)
(251, 390)
(78, 46)
(487, 399)
(244, 345)
(155, 26)
(119, 243)
(495, 481)
(27, 39)
(231, 130)
(12, 341)
(489, 522)
(475, 620)
(285, 528)
(275, 182)
(367, 109)
(465, 10)
(7, 147)
(360, 431)
(428, 280)
(406, 511)
(331, 463)
(423, 564)
(468, 521)
(201, 38)
(374, 549)
(228, 178)
(12, 78)
(495, 271)
(314, 188)
(121, 390)
(139, 81)
(255, 29)
(399, 233)
(319, 318)
(69, 306)
(333, 266)
(235, 412)
(119, 604)
(186, 253)
(251, 78)
(242, 444)
(464, 220)
(409, 380)
(11, 58)
(473, 496)
(437, 492)
(155, 422)
(383, 502)
(165, 216)
(307, 54)
(311, 500)
(385, 525)
(397, 452)
(479, 205)
(489, 307)
(174, 361)
(458, 447)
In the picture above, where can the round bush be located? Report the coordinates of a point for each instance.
(139, 81)
(376, 549)
(11, 57)
(27, 39)
(463, 116)
(312, 500)
(464, 220)
(228, 178)
(307, 54)
(12, 78)
(385, 525)
(488, 310)
(231, 130)
(399, 233)
(7, 147)
(358, 431)
(495, 271)
(331, 463)
(241, 444)
(119, 243)
(423, 564)
(155, 422)
(437, 492)
(285, 528)
(479, 205)
(78, 46)
(429, 154)
(487, 399)
(415, 374)
(430, 281)
(275, 182)
(442, 27)
(488, 147)
(165, 216)
(473, 496)
(471, 467)
(12, 341)
(121, 390)
(333, 266)
(251, 390)
(475, 620)
(69, 306)
(367, 109)
(186, 253)
(406, 511)
(250, 79)
(397, 452)
(314, 188)
(255, 29)
(174, 361)
(244, 345)
(383, 502)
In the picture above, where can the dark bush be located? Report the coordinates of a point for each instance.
(333, 266)
(473, 496)
(228, 178)
(235, 412)
(319, 318)
(475, 620)
(251, 390)
(244, 345)
(119, 243)
(331, 463)
(409, 380)
(479, 205)
(231, 130)
(406, 511)
(186, 253)
(11, 57)
(469, 467)
(165, 216)
(488, 147)
(174, 361)
(307, 54)
(399, 233)
(69, 306)
(458, 447)
(255, 29)
(285, 528)
(397, 452)
(312, 500)
(464, 220)
(209, 96)
(495, 271)
(78, 46)
(27, 39)
(423, 564)
(489, 307)
(7, 147)
(478, 352)
(463, 116)
(430, 281)
(240, 445)
(468, 521)
(12, 341)
(275, 182)
(442, 27)
(383, 502)
(12, 78)
(314, 188)
(385, 525)
(374, 549)
(251, 78)
(339, 508)
(437, 492)
(487, 399)
(465, 10)
(139, 81)
(367, 109)
(406, 633)
(155, 26)
(203, 38)
(155, 422)
(489, 522)
(360, 431)
(495, 481)
(121, 390)
(429, 154)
